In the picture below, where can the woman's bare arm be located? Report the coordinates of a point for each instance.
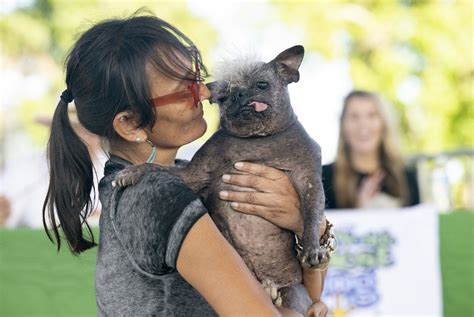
(208, 262)
(313, 281)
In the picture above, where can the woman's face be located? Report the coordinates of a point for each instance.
(176, 123)
(362, 125)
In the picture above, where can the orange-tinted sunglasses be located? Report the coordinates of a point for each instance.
(192, 91)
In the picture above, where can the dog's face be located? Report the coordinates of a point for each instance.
(253, 97)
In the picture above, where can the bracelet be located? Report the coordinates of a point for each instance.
(327, 241)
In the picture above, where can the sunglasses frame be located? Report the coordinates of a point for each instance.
(192, 91)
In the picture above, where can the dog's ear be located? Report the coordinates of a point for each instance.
(288, 62)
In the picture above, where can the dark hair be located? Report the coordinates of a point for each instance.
(105, 75)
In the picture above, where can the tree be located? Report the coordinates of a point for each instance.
(417, 54)
(36, 39)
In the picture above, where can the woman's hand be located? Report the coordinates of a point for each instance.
(272, 196)
(318, 309)
(369, 187)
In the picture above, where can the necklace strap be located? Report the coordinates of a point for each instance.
(151, 158)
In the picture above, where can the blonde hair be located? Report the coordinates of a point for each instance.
(345, 178)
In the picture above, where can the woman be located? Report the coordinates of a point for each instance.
(137, 83)
(368, 171)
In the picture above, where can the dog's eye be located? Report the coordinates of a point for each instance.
(222, 99)
(262, 85)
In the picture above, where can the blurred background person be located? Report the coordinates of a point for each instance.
(369, 171)
(21, 200)
(5, 210)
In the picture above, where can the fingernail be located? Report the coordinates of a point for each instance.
(239, 165)
(226, 177)
(223, 194)
(234, 205)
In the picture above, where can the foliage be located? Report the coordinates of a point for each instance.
(417, 54)
(44, 32)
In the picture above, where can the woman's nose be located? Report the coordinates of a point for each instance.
(204, 92)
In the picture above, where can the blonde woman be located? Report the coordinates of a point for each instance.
(369, 171)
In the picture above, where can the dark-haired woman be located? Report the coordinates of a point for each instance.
(369, 171)
(137, 84)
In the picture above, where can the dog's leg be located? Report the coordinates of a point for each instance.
(295, 297)
(312, 202)
(132, 174)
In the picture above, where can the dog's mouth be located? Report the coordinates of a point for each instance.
(258, 106)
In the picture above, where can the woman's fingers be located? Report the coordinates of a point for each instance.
(251, 209)
(275, 215)
(322, 226)
(272, 195)
(369, 187)
(318, 309)
(248, 180)
(256, 198)
(375, 182)
(260, 170)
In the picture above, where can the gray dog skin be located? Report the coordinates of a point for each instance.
(258, 125)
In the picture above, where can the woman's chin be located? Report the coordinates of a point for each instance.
(365, 149)
(198, 132)
(203, 128)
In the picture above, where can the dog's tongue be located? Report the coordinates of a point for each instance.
(259, 106)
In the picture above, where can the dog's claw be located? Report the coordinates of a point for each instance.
(131, 175)
(314, 257)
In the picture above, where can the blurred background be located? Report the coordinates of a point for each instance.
(417, 54)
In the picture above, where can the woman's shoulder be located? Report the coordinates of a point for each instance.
(327, 179)
(328, 170)
(155, 193)
(151, 183)
(410, 170)
(159, 190)
(411, 175)
(152, 218)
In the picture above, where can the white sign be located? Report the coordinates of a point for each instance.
(386, 264)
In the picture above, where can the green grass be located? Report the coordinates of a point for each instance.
(457, 263)
(37, 281)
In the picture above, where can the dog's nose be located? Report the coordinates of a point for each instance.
(237, 95)
(212, 85)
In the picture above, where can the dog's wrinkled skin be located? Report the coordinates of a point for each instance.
(258, 125)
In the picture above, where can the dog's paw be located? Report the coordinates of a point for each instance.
(314, 257)
(131, 175)
(272, 290)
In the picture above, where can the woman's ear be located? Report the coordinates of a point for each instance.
(125, 124)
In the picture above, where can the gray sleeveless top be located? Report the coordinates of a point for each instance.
(141, 230)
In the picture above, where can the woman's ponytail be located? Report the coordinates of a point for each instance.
(68, 201)
(106, 73)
